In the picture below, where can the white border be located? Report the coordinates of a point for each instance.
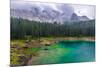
(5, 33)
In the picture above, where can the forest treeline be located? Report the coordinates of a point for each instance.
(21, 28)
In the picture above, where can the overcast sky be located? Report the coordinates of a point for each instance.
(81, 10)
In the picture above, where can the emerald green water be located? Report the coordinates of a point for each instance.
(67, 52)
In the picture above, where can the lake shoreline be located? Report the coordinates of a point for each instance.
(51, 40)
(70, 38)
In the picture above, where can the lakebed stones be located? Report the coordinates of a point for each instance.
(46, 49)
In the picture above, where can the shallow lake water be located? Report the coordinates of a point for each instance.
(67, 52)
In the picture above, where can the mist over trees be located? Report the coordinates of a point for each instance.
(21, 28)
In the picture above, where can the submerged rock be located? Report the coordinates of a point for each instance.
(46, 49)
(47, 44)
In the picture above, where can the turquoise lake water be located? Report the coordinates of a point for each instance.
(67, 52)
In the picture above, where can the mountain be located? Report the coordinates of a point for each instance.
(75, 17)
(45, 12)
(83, 18)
